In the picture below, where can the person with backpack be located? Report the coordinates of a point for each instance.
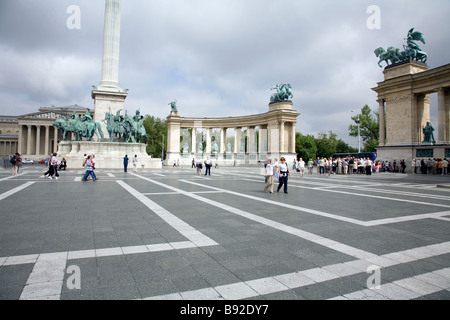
(90, 166)
(16, 160)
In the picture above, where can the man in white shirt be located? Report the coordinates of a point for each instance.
(301, 167)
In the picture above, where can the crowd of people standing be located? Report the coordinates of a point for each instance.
(430, 166)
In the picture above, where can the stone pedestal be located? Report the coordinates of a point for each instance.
(108, 155)
(107, 101)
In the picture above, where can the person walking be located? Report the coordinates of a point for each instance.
(268, 174)
(125, 163)
(135, 162)
(49, 167)
(283, 172)
(301, 167)
(90, 166)
(208, 166)
(322, 166)
(310, 166)
(199, 166)
(54, 165)
(193, 163)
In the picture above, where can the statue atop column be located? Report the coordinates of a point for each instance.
(411, 51)
(284, 93)
(173, 106)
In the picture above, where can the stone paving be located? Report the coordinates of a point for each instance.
(173, 235)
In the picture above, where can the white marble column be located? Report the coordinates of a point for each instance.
(193, 141)
(111, 46)
(20, 140)
(250, 139)
(382, 123)
(38, 140)
(47, 140)
(442, 121)
(28, 140)
(282, 147)
(208, 141)
(237, 139)
(292, 139)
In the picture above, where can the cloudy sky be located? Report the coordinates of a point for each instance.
(217, 58)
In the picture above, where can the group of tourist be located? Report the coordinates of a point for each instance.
(348, 165)
(430, 166)
(276, 170)
(125, 163)
(51, 163)
(198, 164)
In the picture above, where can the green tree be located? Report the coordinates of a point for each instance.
(156, 128)
(369, 128)
(305, 146)
(326, 145)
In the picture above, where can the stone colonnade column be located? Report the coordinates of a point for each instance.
(382, 123)
(443, 117)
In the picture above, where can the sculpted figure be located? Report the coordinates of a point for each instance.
(428, 133)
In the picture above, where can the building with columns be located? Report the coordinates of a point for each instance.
(253, 138)
(9, 135)
(404, 107)
(33, 135)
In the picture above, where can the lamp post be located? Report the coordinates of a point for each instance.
(359, 135)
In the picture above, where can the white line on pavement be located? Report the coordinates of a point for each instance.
(182, 227)
(6, 194)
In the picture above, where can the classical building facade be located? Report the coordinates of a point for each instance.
(404, 107)
(33, 135)
(9, 135)
(254, 138)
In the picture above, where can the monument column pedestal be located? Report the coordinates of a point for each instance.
(107, 101)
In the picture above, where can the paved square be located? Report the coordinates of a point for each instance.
(171, 234)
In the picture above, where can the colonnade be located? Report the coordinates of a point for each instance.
(254, 137)
(404, 111)
(37, 140)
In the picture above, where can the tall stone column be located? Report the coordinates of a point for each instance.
(382, 123)
(28, 140)
(282, 147)
(250, 139)
(423, 114)
(111, 46)
(47, 140)
(108, 96)
(292, 140)
(208, 142)
(20, 141)
(223, 142)
(237, 139)
(442, 118)
(194, 141)
(38, 140)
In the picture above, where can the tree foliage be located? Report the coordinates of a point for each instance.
(325, 145)
(156, 128)
(369, 128)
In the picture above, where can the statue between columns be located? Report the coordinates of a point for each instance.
(428, 134)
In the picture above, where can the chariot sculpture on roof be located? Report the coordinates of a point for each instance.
(411, 51)
(284, 93)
